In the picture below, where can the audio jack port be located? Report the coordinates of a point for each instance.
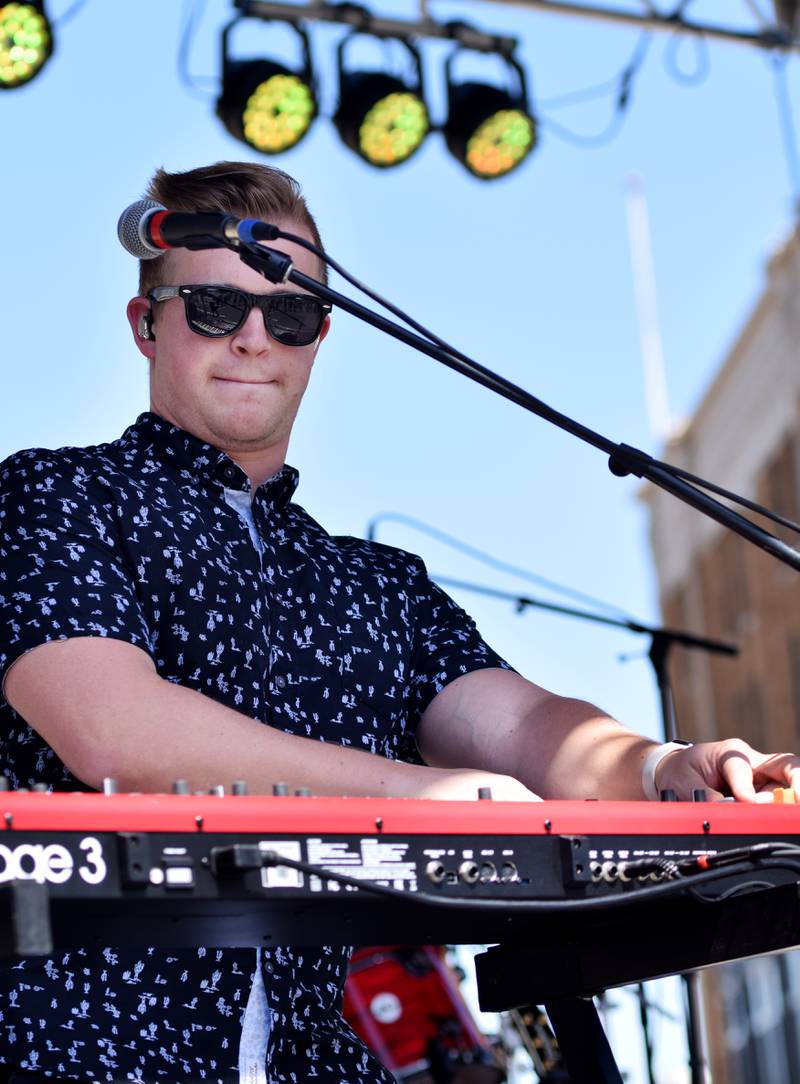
(435, 872)
(469, 872)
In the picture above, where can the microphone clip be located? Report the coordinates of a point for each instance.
(273, 265)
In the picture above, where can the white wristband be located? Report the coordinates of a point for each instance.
(652, 761)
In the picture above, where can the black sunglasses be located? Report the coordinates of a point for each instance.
(215, 311)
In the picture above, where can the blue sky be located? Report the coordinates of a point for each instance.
(530, 275)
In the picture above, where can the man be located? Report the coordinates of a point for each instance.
(168, 612)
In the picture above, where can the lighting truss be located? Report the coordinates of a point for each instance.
(489, 129)
(672, 18)
(384, 118)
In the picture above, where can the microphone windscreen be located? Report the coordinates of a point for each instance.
(130, 229)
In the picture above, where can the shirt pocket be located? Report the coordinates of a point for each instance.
(373, 692)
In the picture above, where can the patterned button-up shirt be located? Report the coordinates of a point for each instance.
(333, 638)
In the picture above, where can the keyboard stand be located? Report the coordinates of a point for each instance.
(582, 1041)
(575, 1020)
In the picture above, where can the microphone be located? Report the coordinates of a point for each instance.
(147, 229)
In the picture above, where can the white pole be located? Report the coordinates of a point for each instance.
(644, 282)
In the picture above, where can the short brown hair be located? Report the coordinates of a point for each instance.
(243, 189)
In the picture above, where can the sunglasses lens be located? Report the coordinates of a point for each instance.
(291, 319)
(215, 310)
(294, 319)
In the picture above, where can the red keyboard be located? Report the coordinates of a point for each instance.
(602, 893)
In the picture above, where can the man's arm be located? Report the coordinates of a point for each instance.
(558, 747)
(563, 748)
(100, 704)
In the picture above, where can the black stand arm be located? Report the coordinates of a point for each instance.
(583, 1042)
(623, 459)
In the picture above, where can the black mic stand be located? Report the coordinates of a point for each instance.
(624, 459)
(659, 649)
(593, 1061)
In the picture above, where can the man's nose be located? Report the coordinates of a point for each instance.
(252, 337)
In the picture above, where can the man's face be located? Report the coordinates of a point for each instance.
(241, 392)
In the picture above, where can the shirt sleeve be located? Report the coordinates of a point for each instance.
(447, 644)
(62, 567)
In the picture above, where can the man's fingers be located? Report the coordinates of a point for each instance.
(731, 768)
(737, 771)
(781, 770)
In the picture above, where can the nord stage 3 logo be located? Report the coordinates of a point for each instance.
(52, 863)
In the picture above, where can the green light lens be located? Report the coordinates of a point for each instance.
(278, 113)
(500, 143)
(393, 129)
(24, 43)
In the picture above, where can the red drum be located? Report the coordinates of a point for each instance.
(405, 1003)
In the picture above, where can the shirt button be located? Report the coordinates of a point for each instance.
(269, 969)
(229, 472)
(280, 682)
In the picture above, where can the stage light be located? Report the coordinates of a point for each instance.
(381, 117)
(26, 42)
(264, 104)
(489, 130)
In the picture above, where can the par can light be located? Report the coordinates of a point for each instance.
(489, 130)
(381, 117)
(265, 104)
(26, 43)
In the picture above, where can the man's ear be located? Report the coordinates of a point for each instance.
(140, 318)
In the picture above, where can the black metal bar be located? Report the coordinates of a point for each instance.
(678, 636)
(623, 459)
(355, 15)
(582, 1041)
(644, 1018)
(359, 17)
(694, 1017)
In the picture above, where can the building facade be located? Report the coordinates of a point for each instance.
(745, 436)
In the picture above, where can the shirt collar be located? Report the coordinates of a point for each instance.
(191, 455)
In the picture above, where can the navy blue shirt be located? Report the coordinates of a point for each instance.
(334, 638)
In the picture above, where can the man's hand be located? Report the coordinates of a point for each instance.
(728, 768)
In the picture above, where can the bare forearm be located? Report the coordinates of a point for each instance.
(104, 710)
(181, 733)
(194, 738)
(556, 746)
(580, 752)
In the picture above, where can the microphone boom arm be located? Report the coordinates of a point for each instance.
(623, 459)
